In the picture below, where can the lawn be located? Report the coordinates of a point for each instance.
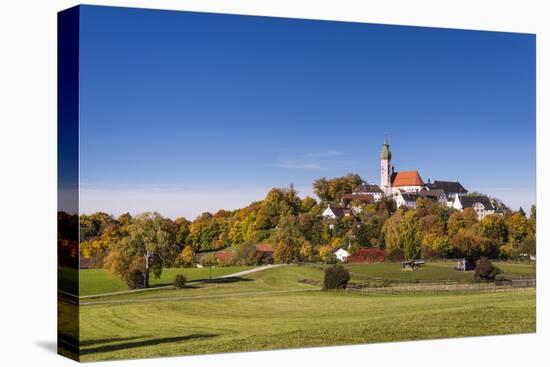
(436, 271)
(97, 281)
(290, 320)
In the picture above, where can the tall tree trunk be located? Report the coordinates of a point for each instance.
(146, 273)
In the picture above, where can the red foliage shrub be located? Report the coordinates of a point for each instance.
(367, 256)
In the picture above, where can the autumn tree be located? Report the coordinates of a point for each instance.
(288, 239)
(306, 250)
(517, 228)
(411, 236)
(307, 204)
(333, 189)
(393, 229)
(469, 216)
(187, 257)
(494, 227)
(148, 246)
(455, 223)
(326, 254)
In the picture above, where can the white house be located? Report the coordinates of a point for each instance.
(333, 212)
(341, 254)
(482, 205)
(369, 189)
(405, 199)
(437, 195)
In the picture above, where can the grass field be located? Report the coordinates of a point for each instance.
(97, 281)
(435, 271)
(248, 321)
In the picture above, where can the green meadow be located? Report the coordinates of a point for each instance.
(97, 281)
(433, 271)
(284, 308)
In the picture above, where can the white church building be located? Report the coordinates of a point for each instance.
(405, 187)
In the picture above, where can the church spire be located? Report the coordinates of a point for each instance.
(385, 153)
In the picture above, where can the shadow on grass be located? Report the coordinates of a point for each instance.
(87, 343)
(143, 343)
(228, 280)
(206, 280)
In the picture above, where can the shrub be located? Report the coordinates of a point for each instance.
(336, 277)
(485, 270)
(208, 260)
(135, 279)
(396, 255)
(179, 281)
(248, 254)
(367, 255)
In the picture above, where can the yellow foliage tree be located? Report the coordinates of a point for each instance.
(186, 256)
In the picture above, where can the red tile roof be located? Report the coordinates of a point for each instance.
(224, 255)
(406, 178)
(265, 247)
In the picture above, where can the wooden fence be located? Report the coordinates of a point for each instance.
(444, 286)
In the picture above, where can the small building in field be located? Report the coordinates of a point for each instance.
(224, 256)
(466, 264)
(266, 249)
(340, 253)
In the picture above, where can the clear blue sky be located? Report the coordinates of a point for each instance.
(187, 112)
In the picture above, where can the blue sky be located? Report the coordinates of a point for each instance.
(187, 112)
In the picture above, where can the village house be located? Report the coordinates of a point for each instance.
(452, 189)
(341, 253)
(333, 212)
(266, 249)
(482, 205)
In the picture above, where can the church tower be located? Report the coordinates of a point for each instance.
(385, 168)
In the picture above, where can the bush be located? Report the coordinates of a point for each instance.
(367, 255)
(135, 279)
(336, 277)
(179, 281)
(248, 254)
(485, 270)
(208, 260)
(396, 255)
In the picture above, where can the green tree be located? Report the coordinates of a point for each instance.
(333, 189)
(288, 239)
(411, 236)
(148, 246)
(248, 254)
(307, 204)
(392, 230)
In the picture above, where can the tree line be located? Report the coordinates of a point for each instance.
(133, 247)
